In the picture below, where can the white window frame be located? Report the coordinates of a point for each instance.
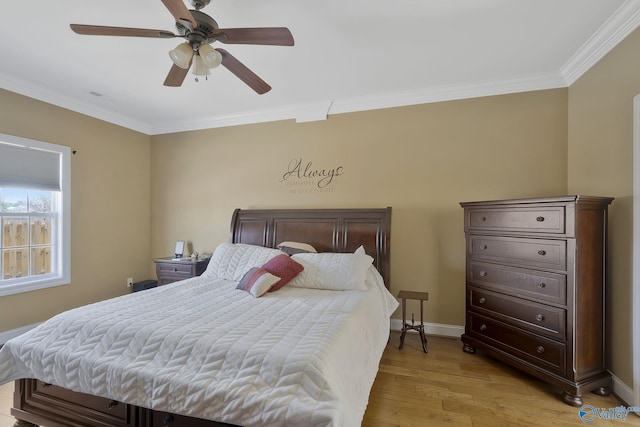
(62, 241)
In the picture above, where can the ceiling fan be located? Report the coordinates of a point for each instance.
(200, 30)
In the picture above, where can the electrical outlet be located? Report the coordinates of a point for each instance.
(129, 282)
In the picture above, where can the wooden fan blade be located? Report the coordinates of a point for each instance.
(98, 30)
(180, 12)
(243, 73)
(176, 76)
(278, 36)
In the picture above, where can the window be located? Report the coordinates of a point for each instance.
(34, 215)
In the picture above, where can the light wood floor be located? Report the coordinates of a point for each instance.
(449, 387)
(6, 397)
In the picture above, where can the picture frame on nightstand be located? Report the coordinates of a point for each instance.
(179, 249)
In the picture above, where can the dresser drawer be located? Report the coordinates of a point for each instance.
(524, 219)
(169, 271)
(541, 253)
(175, 269)
(92, 410)
(539, 285)
(173, 272)
(525, 345)
(539, 318)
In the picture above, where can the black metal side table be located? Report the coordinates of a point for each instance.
(404, 296)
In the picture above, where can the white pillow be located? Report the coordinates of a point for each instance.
(332, 271)
(231, 261)
(291, 248)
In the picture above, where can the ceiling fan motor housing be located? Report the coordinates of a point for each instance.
(203, 33)
(199, 4)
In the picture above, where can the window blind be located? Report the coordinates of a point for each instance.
(26, 167)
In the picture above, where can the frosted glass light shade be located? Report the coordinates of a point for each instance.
(199, 69)
(210, 57)
(181, 55)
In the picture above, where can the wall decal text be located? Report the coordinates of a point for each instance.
(302, 174)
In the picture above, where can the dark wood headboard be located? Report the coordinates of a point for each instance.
(327, 230)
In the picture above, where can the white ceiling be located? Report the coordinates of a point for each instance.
(348, 56)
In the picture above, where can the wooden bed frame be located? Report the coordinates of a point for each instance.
(327, 230)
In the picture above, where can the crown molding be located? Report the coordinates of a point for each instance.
(219, 121)
(619, 25)
(53, 97)
(449, 93)
(320, 110)
(300, 112)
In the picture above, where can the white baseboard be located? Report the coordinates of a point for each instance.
(623, 391)
(433, 328)
(7, 335)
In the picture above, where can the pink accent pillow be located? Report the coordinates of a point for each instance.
(284, 267)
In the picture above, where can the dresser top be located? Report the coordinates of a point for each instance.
(555, 199)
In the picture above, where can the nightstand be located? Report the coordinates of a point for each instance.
(169, 270)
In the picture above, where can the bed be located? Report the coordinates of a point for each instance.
(201, 352)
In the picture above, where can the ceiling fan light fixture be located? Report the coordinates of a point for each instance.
(211, 58)
(199, 69)
(181, 55)
(199, 30)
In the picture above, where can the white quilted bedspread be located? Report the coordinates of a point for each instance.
(296, 357)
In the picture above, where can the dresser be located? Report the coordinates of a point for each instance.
(535, 288)
(169, 270)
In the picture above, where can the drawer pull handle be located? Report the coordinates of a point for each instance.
(483, 273)
(539, 317)
(175, 269)
(540, 349)
(541, 252)
(540, 219)
(483, 327)
(168, 420)
(484, 246)
(484, 218)
(542, 285)
(112, 404)
(482, 300)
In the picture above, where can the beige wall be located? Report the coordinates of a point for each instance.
(110, 199)
(601, 163)
(421, 160)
